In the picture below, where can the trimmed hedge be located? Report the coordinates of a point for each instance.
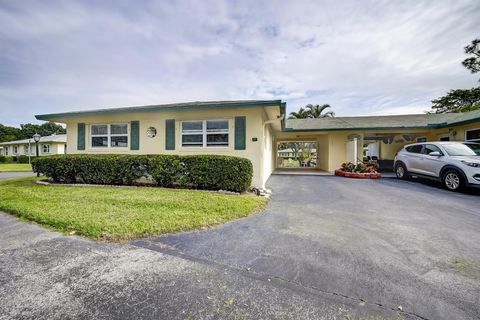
(22, 159)
(6, 159)
(209, 172)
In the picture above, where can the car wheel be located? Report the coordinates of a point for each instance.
(401, 171)
(453, 180)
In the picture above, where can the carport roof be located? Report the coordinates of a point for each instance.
(410, 121)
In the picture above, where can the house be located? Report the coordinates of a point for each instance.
(252, 129)
(48, 145)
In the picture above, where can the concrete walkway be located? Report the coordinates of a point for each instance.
(9, 175)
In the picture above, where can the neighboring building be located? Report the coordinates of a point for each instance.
(48, 145)
(252, 129)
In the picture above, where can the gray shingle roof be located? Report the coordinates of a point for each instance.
(52, 138)
(382, 122)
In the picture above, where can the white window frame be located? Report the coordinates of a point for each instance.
(444, 135)
(109, 135)
(48, 148)
(471, 140)
(204, 134)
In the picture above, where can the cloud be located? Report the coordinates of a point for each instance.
(369, 57)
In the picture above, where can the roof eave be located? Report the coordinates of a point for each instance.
(158, 108)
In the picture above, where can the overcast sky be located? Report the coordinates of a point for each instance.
(362, 57)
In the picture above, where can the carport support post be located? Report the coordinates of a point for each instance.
(355, 150)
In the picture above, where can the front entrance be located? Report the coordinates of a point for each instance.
(296, 155)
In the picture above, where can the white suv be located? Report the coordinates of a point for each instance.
(456, 164)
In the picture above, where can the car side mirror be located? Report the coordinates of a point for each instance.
(435, 154)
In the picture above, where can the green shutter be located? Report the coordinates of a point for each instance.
(170, 134)
(81, 136)
(240, 133)
(134, 135)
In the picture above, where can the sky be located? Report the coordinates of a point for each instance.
(361, 57)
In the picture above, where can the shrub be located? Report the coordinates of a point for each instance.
(8, 159)
(359, 167)
(208, 172)
(2, 159)
(22, 159)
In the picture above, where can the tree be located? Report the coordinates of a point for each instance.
(473, 63)
(312, 111)
(301, 114)
(26, 131)
(459, 100)
(316, 111)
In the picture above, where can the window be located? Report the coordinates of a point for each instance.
(462, 149)
(429, 148)
(15, 149)
(109, 135)
(206, 133)
(417, 148)
(444, 137)
(6, 150)
(25, 149)
(472, 135)
(45, 148)
(422, 139)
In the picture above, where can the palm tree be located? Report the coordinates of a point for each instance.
(301, 114)
(312, 111)
(315, 111)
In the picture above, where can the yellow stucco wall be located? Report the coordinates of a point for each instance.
(55, 148)
(255, 150)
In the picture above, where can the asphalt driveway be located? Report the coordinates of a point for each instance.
(325, 248)
(387, 242)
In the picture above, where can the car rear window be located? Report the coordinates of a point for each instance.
(415, 148)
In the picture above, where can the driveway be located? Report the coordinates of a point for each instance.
(325, 248)
(387, 242)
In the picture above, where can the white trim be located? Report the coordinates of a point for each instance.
(109, 135)
(471, 140)
(444, 135)
(204, 133)
(49, 148)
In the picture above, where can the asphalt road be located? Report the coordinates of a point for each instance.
(325, 248)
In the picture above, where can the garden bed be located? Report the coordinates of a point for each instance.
(358, 175)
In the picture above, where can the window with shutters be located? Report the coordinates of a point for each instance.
(113, 135)
(205, 133)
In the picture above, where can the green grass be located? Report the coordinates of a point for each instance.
(15, 167)
(111, 213)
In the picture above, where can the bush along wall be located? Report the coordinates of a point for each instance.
(209, 172)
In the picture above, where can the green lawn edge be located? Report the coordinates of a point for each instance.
(15, 167)
(122, 214)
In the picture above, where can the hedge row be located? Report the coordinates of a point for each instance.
(12, 159)
(210, 172)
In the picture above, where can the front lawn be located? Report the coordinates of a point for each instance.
(15, 167)
(113, 213)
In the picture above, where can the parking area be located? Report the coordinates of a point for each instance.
(325, 248)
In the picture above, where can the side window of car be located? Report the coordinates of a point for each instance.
(431, 148)
(417, 148)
